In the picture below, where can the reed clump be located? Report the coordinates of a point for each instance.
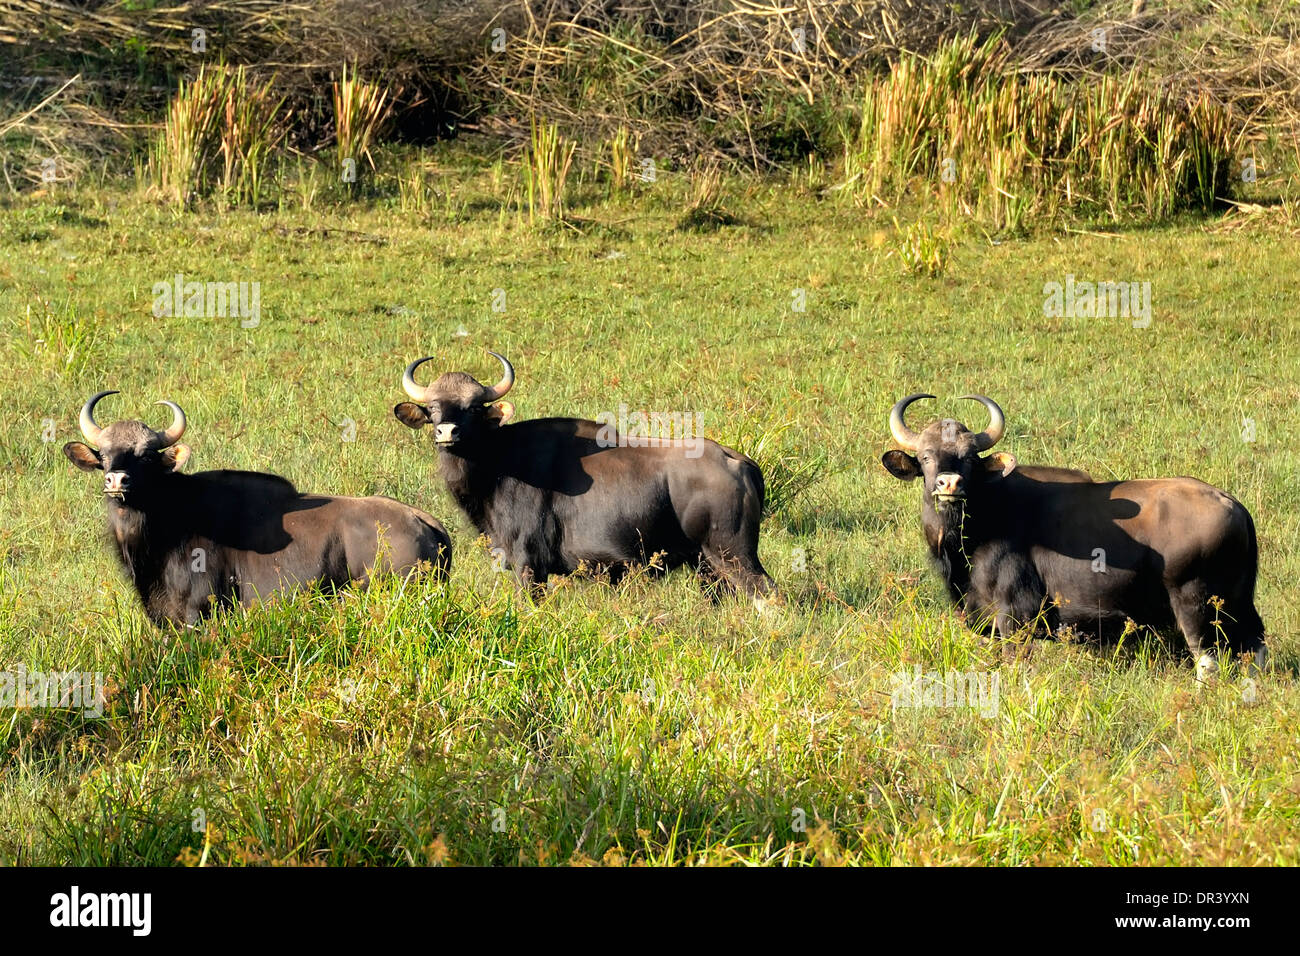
(1005, 148)
(220, 135)
(361, 109)
(546, 166)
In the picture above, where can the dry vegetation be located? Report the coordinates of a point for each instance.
(756, 84)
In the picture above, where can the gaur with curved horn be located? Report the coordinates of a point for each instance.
(909, 439)
(193, 543)
(89, 428)
(554, 494)
(898, 424)
(1020, 547)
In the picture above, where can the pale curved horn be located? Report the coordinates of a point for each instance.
(503, 386)
(173, 432)
(898, 427)
(997, 423)
(89, 428)
(408, 379)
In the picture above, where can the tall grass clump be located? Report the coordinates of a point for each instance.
(705, 207)
(622, 147)
(1005, 148)
(220, 135)
(59, 339)
(413, 192)
(361, 110)
(546, 172)
(182, 151)
(250, 129)
(921, 250)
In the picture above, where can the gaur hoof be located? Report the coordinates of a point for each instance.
(1207, 670)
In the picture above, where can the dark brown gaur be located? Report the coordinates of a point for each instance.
(192, 543)
(1022, 548)
(554, 494)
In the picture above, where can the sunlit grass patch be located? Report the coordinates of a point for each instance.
(643, 723)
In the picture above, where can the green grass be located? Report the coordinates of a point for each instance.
(640, 723)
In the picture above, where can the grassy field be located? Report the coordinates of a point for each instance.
(643, 723)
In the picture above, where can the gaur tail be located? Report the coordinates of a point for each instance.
(757, 499)
(440, 542)
(1244, 629)
(755, 476)
(1250, 626)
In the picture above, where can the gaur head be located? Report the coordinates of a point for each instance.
(132, 455)
(947, 455)
(461, 409)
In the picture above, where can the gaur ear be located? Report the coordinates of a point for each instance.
(82, 455)
(500, 412)
(1001, 461)
(901, 465)
(176, 456)
(411, 415)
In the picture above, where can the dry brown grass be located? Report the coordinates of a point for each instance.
(753, 83)
(50, 137)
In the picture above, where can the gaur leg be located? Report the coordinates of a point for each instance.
(723, 575)
(439, 560)
(1240, 622)
(1009, 593)
(724, 527)
(1245, 630)
(434, 546)
(616, 572)
(190, 592)
(531, 582)
(998, 624)
(514, 555)
(1195, 615)
(1250, 636)
(731, 548)
(1235, 623)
